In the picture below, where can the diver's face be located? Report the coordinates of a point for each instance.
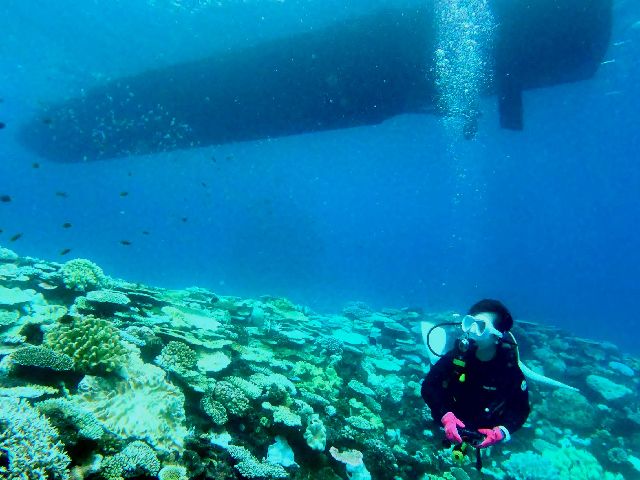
(480, 329)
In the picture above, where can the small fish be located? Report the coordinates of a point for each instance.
(184, 219)
(15, 237)
(64, 251)
(125, 242)
(2, 125)
(66, 225)
(607, 62)
(623, 42)
(213, 159)
(5, 198)
(47, 286)
(129, 174)
(35, 165)
(1, 230)
(229, 157)
(62, 194)
(613, 92)
(146, 232)
(47, 121)
(124, 194)
(204, 184)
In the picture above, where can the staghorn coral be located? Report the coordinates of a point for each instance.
(30, 443)
(93, 344)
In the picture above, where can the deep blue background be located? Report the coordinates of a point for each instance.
(394, 215)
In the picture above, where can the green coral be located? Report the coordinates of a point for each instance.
(284, 415)
(530, 466)
(250, 467)
(577, 464)
(236, 403)
(43, 357)
(173, 472)
(31, 444)
(177, 357)
(62, 411)
(108, 296)
(136, 459)
(81, 274)
(214, 409)
(8, 317)
(93, 343)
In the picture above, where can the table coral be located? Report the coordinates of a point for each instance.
(42, 357)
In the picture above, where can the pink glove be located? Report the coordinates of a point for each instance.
(451, 424)
(492, 436)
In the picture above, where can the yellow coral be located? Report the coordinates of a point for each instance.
(93, 344)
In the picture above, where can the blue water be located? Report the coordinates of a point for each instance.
(394, 215)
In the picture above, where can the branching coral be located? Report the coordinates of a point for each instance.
(29, 443)
(135, 460)
(93, 344)
(82, 275)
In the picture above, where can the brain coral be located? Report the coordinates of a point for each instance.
(93, 344)
(23, 433)
(82, 275)
(143, 406)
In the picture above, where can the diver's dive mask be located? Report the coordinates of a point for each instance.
(479, 326)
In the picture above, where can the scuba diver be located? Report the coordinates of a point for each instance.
(477, 390)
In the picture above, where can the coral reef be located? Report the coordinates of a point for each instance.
(142, 382)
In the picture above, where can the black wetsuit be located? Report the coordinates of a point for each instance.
(481, 394)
